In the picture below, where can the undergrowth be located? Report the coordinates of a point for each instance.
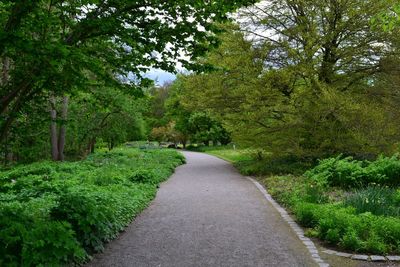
(54, 214)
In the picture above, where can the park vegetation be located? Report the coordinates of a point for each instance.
(71, 83)
(72, 71)
(309, 91)
(53, 214)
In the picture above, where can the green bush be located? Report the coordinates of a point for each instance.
(342, 226)
(384, 170)
(142, 176)
(350, 173)
(50, 243)
(56, 214)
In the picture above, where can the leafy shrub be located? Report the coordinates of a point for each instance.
(50, 243)
(384, 170)
(305, 215)
(342, 226)
(349, 173)
(337, 172)
(55, 214)
(28, 239)
(95, 213)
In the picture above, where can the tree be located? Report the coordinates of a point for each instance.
(329, 41)
(106, 114)
(204, 129)
(388, 19)
(57, 137)
(59, 46)
(176, 112)
(276, 109)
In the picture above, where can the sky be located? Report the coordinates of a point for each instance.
(160, 76)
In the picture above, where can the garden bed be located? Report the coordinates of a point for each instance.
(59, 213)
(353, 205)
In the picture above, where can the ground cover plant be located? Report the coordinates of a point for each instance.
(59, 213)
(352, 204)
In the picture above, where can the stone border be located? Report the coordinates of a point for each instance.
(295, 227)
(309, 244)
(362, 257)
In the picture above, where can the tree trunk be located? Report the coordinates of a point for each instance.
(3, 81)
(92, 144)
(63, 129)
(5, 74)
(53, 129)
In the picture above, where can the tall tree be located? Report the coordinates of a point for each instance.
(328, 41)
(277, 109)
(61, 45)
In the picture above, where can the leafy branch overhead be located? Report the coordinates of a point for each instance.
(61, 45)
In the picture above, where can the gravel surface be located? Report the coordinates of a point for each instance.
(207, 214)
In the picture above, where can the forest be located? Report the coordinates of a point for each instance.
(303, 94)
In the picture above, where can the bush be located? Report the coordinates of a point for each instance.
(56, 214)
(50, 243)
(349, 173)
(142, 176)
(384, 170)
(342, 226)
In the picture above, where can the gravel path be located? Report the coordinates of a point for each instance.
(207, 214)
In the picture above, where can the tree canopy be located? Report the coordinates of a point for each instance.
(305, 78)
(62, 47)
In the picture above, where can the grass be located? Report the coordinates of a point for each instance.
(227, 153)
(55, 214)
(375, 199)
(256, 162)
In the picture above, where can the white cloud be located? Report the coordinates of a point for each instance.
(160, 76)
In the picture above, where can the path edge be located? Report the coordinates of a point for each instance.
(309, 244)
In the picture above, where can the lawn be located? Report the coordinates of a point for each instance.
(54, 214)
(228, 153)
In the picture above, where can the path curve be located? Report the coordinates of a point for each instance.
(207, 214)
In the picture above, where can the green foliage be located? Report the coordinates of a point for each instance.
(389, 19)
(274, 165)
(364, 220)
(51, 243)
(281, 94)
(342, 226)
(57, 213)
(204, 129)
(374, 199)
(68, 48)
(227, 153)
(347, 172)
(172, 122)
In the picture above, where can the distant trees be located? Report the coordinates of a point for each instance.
(204, 130)
(178, 124)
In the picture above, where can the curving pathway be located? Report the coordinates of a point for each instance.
(207, 214)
